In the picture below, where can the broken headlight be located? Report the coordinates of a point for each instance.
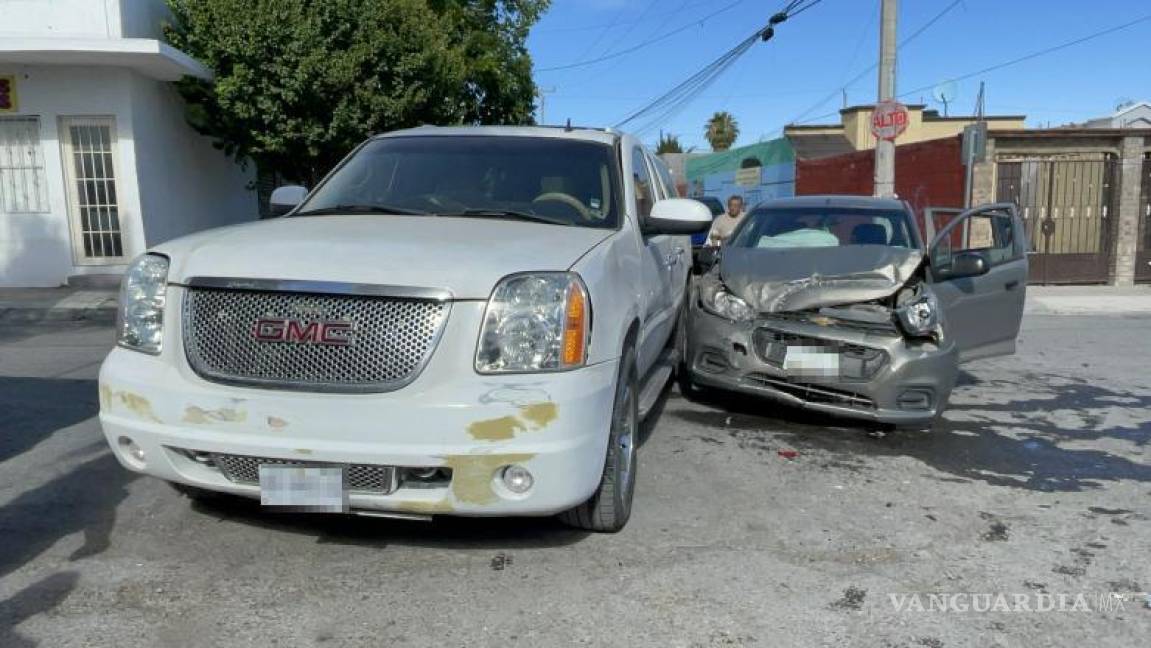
(919, 314)
(536, 321)
(142, 295)
(717, 301)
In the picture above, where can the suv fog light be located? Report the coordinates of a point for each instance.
(134, 451)
(517, 479)
(423, 474)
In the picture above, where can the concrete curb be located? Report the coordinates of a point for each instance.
(34, 315)
(97, 306)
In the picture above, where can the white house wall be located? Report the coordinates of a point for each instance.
(61, 18)
(186, 184)
(142, 18)
(36, 249)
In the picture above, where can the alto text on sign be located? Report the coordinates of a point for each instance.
(889, 120)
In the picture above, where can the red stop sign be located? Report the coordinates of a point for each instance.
(889, 120)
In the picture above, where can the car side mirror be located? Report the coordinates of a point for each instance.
(285, 199)
(966, 264)
(677, 216)
(705, 258)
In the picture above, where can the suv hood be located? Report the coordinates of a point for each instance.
(772, 281)
(466, 256)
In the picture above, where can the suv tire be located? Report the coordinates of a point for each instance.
(608, 509)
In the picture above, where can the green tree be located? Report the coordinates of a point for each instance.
(668, 144)
(721, 131)
(298, 83)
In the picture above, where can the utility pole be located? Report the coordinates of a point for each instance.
(542, 94)
(885, 149)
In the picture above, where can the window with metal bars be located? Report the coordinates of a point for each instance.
(96, 208)
(23, 182)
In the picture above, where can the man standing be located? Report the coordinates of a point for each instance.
(724, 224)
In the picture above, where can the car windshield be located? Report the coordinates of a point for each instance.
(824, 227)
(551, 180)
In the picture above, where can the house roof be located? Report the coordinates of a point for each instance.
(1126, 109)
(147, 56)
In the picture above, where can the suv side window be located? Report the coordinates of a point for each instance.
(670, 190)
(644, 191)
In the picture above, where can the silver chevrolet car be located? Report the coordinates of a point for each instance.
(834, 303)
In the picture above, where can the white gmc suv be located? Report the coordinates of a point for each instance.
(466, 321)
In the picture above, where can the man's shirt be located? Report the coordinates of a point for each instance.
(722, 227)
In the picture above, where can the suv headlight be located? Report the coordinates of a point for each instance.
(142, 296)
(536, 321)
(920, 315)
(717, 301)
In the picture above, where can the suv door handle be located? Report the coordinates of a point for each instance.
(1011, 285)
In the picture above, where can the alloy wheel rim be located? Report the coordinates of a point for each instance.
(626, 439)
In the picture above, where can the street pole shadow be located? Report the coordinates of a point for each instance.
(33, 409)
(38, 598)
(82, 500)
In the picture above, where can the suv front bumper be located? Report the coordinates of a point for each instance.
(556, 425)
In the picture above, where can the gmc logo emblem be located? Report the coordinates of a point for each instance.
(302, 332)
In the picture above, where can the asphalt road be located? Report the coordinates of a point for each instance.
(1037, 482)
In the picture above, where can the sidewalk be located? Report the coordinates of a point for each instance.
(24, 305)
(1089, 300)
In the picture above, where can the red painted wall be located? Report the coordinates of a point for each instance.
(927, 174)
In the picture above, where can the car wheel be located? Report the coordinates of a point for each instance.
(687, 387)
(609, 507)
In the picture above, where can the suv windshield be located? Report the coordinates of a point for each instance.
(824, 227)
(550, 180)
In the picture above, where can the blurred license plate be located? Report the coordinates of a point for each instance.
(303, 488)
(811, 361)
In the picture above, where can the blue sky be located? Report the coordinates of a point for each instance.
(813, 55)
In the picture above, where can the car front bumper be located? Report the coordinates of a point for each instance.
(910, 388)
(556, 425)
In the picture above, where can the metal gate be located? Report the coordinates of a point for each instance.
(1143, 250)
(1068, 208)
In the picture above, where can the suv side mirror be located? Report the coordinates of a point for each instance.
(285, 199)
(966, 264)
(677, 216)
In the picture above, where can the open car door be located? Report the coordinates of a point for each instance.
(978, 268)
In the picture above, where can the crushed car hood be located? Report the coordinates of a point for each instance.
(466, 256)
(773, 281)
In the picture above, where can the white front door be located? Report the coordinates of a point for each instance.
(89, 156)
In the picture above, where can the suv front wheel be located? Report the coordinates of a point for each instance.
(609, 507)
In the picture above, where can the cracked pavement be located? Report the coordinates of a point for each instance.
(753, 525)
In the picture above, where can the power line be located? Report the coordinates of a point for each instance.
(795, 13)
(675, 100)
(873, 66)
(694, 82)
(631, 28)
(1042, 52)
(555, 30)
(1020, 59)
(642, 44)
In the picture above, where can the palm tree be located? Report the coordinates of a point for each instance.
(721, 131)
(668, 144)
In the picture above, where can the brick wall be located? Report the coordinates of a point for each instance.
(927, 174)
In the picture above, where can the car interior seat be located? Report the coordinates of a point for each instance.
(869, 234)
